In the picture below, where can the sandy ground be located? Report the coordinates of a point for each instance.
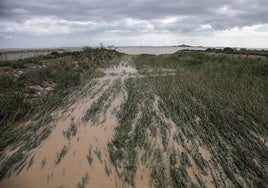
(91, 140)
(82, 159)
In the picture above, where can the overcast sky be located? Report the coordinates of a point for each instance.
(59, 23)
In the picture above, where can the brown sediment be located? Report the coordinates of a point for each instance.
(78, 147)
(190, 173)
(74, 164)
(122, 69)
(51, 169)
(205, 153)
(142, 177)
(35, 176)
(208, 180)
(197, 119)
(239, 178)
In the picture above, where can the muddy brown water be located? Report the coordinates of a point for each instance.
(86, 157)
(90, 136)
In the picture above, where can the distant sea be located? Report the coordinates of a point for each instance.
(157, 50)
(15, 54)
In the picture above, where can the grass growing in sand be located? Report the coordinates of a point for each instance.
(71, 131)
(189, 119)
(218, 102)
(61, 155)
(31, 89)
(89, 157)
(83, 182)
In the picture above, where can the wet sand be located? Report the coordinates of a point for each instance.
(89, 141)
(82, 157)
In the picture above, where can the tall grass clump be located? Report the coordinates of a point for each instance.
(229, 95)
(20, 102)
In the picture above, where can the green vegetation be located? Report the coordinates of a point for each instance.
(218, 102)
(61, 155)
(122, 148)
(24, 96)
(30, 162)
(241, 51)
(193, 118)
(98, 153)
(102, 103)
(71, 131)
(63, 74)
(83, 182)
(229, 95)
(43, 162)
(89, 157)
(107, 169)
(96, 107)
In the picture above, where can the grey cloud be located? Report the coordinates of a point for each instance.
(96, 10)
(111, 16)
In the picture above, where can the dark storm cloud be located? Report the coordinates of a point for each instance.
(220, 14)
(191, 17)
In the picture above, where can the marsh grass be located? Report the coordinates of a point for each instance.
(89, 157)
(102, 104)
(217, 102)
(30, 162)
(242, 51)
(67, 71)
(83, 181)
(98, 153)
(229, 94)
(71, 131)
(43, 162)
(107, 169)
(61, 155)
